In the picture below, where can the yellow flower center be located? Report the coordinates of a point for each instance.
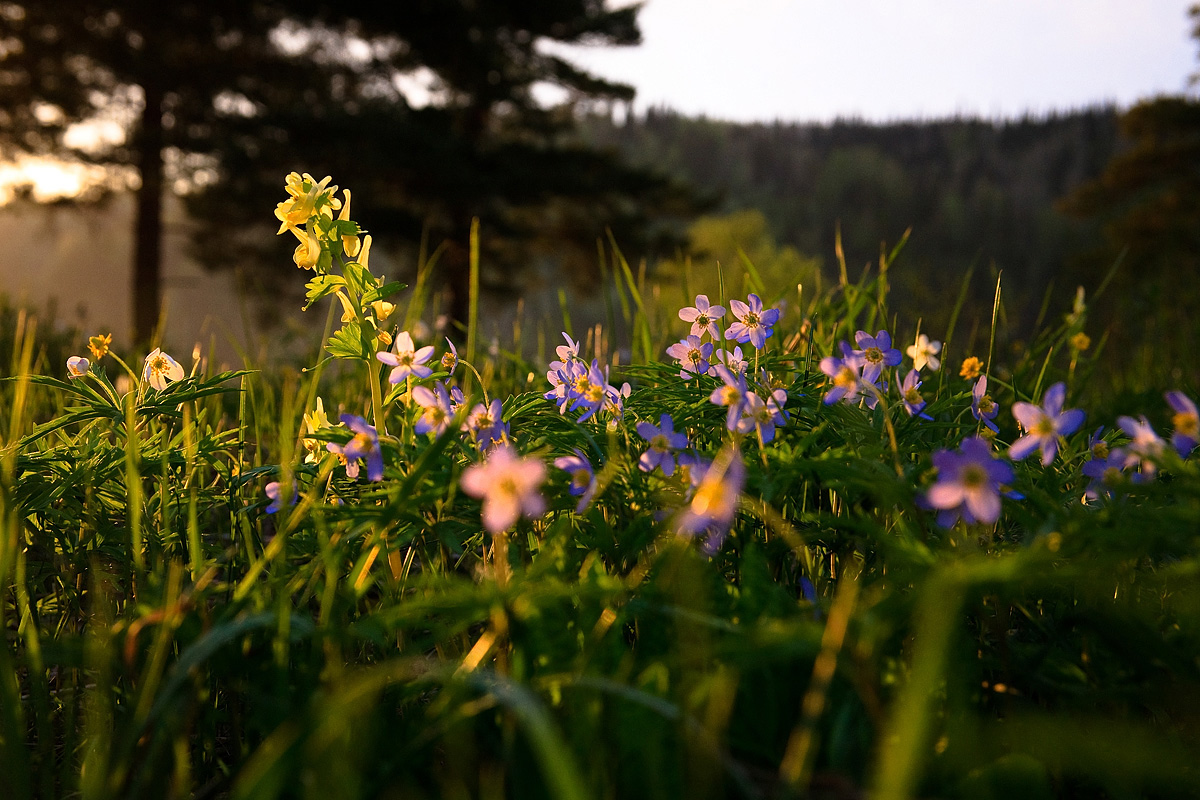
(986, 405)
(1044, 427)
(874, 355)
(595, 393)
(913, 396)
(659, 443)
(1187, 423)
(845, 378)
(580, 478)
(750, 320)
(973, 476)
(1100, 450)
(729, 395)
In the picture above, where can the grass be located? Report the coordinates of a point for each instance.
(165, 636)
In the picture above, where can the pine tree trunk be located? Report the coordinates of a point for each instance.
(147, 258)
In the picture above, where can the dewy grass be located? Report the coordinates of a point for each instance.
(749, 578)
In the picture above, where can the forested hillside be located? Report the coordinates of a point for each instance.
(973, 191)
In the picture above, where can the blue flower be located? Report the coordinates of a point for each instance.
(702, 316)
(436, 409)
(731, 394)
(664, 441)
(1044, 424)
(692, 355)
(274, 491)
(968, 483)
(763, 415)
(583, 477)
(753, 324)
(1186, 421)
(876, 353)
(845, 374)
(714, 504)
(983, 407)
(910, 393)
(364, 445)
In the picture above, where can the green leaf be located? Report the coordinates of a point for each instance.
(321, 286)
(387, 290)
(348, 343)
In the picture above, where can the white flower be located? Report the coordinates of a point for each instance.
(77, 366)
(161, 368)
(924, 353)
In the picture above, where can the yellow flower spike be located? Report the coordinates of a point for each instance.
(316, 421)
(350, 244)
(99, 345)
(364, 255)
(384, 338)
(308, 197)
(308, 252)
(383, 309)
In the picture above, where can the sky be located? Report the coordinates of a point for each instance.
(881, 60)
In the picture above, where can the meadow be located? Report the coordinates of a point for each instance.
(765, 542)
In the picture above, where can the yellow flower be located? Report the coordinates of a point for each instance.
(99, 345)
(383, 309)
(971, 367)
(350, 244)
(314, 422)
(1080, 342)
(308, 252)
(308, 197)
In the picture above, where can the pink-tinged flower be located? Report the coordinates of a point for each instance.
(733, 359)
(407, 360)
(983, 407)
(664, 441)
(567, 352)
(1106, 472)
(754, 324)
(583, 478)
(436, 411)
(450, 357)
(924, 353)
(484, 423)
(763, 415)
(910, 393)
(1186, 422)
(77, 366)
(692, 355)
(592, 391)
(876, 353)
(968, 483)
(275, 493)
(714, 504)
(703, 316)
(363, 446)
(845, 374)
(1044, 424)
(1145, 450)
(731, 394)
(508, 486)
(161, 368)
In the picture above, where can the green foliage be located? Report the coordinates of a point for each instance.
(166, 636)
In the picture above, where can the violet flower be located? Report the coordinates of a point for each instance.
(692, 355)
(910, 393)
(436, 409)
(1186, 422)
(364, 445)
(508, 486)
(583, 477)
(664, 441)
(968, 483)
(714, 504)
(983, 408)
(1044, 424)
(754, 324)
(407, 360)
(703, 317)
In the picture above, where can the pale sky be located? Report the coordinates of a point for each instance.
(881, 60)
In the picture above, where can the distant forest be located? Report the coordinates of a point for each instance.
(975, 192)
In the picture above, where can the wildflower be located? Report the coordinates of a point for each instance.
(664, 441)
(733, 359)
(484, 423)
(1080, 342)
(436, 411)
(845, 375)
(383, 309)
(968, 483)
(910, 393)
(692, 356)
(569, 351)
(754, 324)
(563, 382)
(307, 197)
(314, 422)
(592, 391)
(876, 353)
(1186, 422)
(614, 400)
(763, 415)
(161, 368)
(274, 492)
(407, 360)
(1106, 472)
(732, 394)
(308, 252)
(1044, 424)
(715, 501)
(983, 408)
(364, 445)
(450, 357)
(924, 353)
(702, 316)
(350, 243)
(508, 486)
(971, 367)
(77, 367)
(583, 478)
(99, 345)
(1145, 449)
